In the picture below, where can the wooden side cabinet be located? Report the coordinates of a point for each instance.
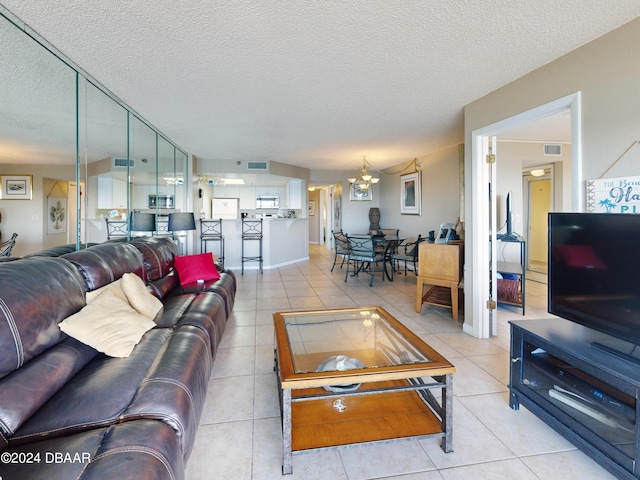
(587, 395)
(439, 265)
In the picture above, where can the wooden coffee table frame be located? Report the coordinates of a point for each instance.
(393, 402)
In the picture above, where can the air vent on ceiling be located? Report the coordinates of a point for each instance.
(124, 162)
(262, 166)
(552, 149)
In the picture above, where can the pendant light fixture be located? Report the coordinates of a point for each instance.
(365, 180)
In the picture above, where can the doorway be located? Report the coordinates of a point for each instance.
(478, 211)
(539, 198)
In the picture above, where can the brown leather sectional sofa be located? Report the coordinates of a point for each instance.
(68, 411)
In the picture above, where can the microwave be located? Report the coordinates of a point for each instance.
(161, 201)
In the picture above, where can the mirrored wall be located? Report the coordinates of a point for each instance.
(73, 158)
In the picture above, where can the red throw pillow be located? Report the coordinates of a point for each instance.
(192, 268)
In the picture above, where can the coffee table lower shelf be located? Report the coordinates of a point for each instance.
(368, 418)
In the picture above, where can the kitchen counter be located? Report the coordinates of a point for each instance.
(285, 241)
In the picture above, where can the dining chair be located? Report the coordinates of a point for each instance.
(407, 253)
(363, 256)
(5, 247)
(340, 247)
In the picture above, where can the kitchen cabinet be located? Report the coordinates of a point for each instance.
(247, 198)
(284, 197)
(140, 196)
(226, 192)
(294, 190)
(112, 193)
(267, 191)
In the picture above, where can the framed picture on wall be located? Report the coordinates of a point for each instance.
(311, 208)
(410, 195)
(357, 194)
(16, 187)
(56, 215)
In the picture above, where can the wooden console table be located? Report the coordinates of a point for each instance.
(439, 265)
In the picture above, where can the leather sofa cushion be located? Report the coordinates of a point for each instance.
(24, 391)
(36, 294)
(107, 262)
(59, 250)
(158, 253)
(173, 309)
(165, 380)
(225, 286)
(166, 285)
(141, 449)
(205, 311)
(96, 396)
(175, 387)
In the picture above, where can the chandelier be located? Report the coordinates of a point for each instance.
(365, 180)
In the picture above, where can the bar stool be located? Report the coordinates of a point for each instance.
(252, 232)
(211, 231)
(117, 228)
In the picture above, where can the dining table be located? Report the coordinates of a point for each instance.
(389, 245)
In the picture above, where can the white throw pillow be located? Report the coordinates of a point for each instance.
(139, 297)
(108, 324)
(114, 287)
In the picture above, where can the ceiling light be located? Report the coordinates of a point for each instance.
(365, 180)
(538, 172)
(232, 181)
(312, 189)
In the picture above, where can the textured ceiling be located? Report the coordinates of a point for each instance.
(314, 83)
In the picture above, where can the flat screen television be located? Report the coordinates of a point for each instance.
(510, 236)
(594, 275)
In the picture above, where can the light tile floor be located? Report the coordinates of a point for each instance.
(240, 435)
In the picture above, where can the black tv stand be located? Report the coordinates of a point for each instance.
(632, 355)
(562, 374)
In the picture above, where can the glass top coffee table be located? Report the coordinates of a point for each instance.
(357, 375)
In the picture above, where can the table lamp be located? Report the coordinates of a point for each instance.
(181, 222)
(142, 222)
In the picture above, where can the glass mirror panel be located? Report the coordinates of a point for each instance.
(182, 193)
(169, 180)
(104, 162)
(142, 149)
(74, 154)
(37, 143)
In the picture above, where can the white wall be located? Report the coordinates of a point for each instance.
(440, 195)
(355, 213)
(28, 218)
(607, 73)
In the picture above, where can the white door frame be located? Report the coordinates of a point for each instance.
(479, 208)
